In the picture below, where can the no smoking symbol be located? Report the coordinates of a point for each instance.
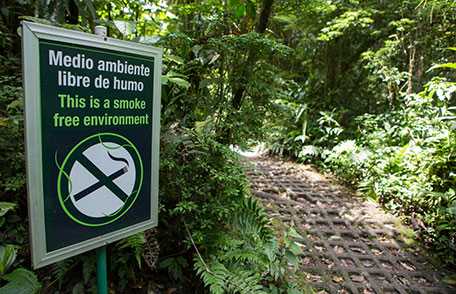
(100, 179)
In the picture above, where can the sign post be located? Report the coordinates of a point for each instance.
(102, 268)
(92, 122)
(102, 271)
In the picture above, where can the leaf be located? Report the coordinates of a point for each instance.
(443, 65)
(295, 249)
(214, 58)
(291, 258)
(21, 281)
(452, 210)
(271, 250)
(5, 207)
(196, 49)
(240, 11)
(294, 234)
(273, 289)
(7, 257)
(175, 80)
(78, 288)
(175, 58)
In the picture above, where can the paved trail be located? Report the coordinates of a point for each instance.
(351, 245)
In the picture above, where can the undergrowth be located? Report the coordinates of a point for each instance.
(225, 234)
(405, 159)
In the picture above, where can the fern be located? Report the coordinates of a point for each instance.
(245, 256)
(60, 269)
(238, 262)
(136, 244)
(251, 221)
(221, 280)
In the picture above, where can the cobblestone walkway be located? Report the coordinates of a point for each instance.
(351, 245)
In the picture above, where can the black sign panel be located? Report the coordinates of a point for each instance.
(97, 129)
(95, 153)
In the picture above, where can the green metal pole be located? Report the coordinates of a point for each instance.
(102, 271)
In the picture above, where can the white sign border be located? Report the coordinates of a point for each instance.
(32, 33)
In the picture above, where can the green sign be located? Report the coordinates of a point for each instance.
(92, 137)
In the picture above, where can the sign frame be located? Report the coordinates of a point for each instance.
(32, 33)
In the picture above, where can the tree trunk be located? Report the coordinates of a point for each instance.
(411, 70)
(239, 84)
(238, 91)
(73, 13)
(264, 16)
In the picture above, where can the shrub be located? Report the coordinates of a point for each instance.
(219, 227)
(405, 159)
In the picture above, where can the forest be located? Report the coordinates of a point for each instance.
(364, 91)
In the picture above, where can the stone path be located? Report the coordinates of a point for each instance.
(351, 245)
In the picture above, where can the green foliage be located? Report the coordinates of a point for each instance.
(175, 266)
(367, 62)
(221, 280)
(267, 269)
(329, 82)
(135, 244)
(20, 281)
(405, 159)
(61, 269)
(217, 81)
(5, 207)
(13, 240)
(235, 250)
(7, 257)
(349, 20)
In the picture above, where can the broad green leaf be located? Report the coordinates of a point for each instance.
(294, 234)
(240, 11)
(7, 257)
(273, 289)
(174, 58)
(20, 281)
(291, 258)
(5, 207)
(295, 249)
(175, 80)
(452, 210)
(443, 65)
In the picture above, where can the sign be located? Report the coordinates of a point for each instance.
(92, 139)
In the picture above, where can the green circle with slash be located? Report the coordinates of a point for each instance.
(103, 180)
